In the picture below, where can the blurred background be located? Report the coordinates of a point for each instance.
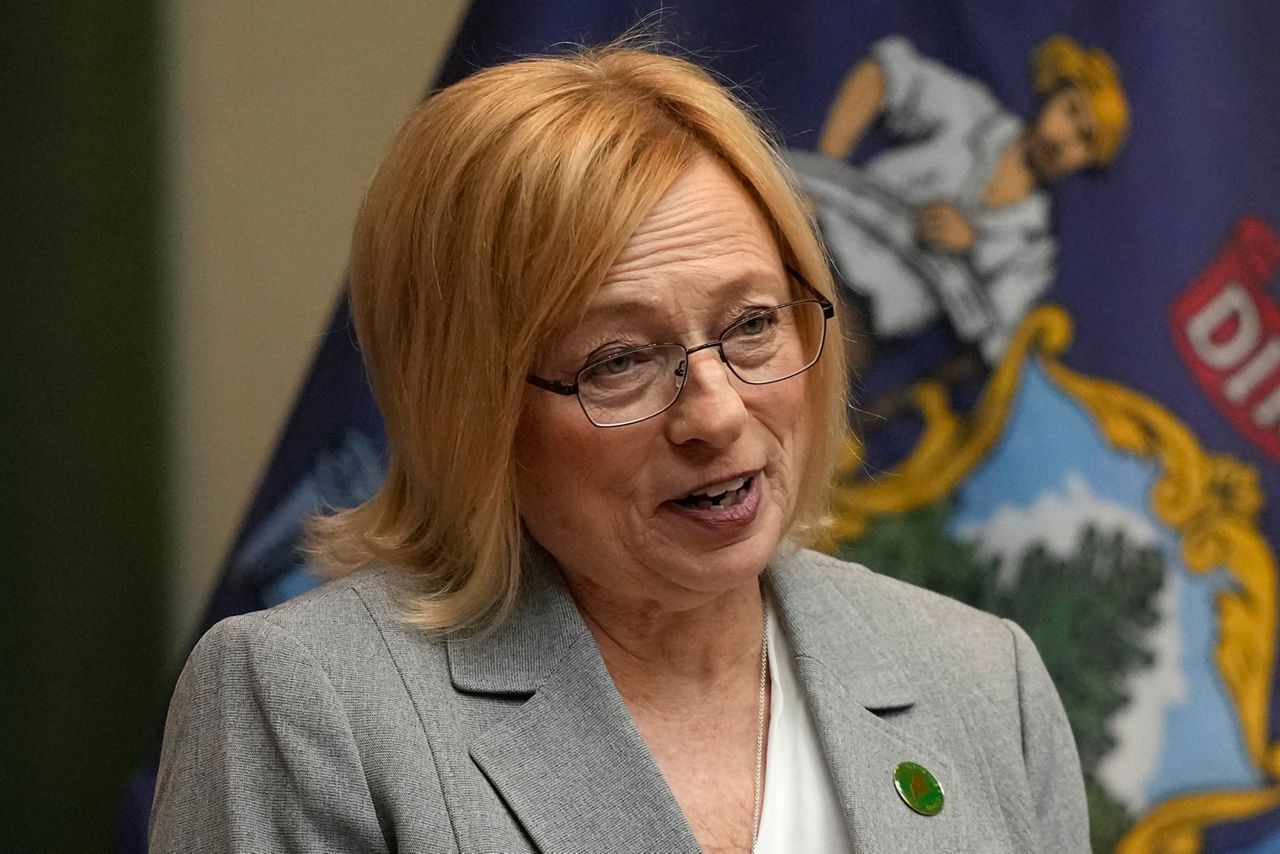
(180, 181)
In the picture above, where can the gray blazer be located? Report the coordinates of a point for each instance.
(325, 724)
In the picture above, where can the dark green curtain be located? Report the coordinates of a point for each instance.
(82, 415)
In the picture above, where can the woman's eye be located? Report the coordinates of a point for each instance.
(619, 363)
(754, 325)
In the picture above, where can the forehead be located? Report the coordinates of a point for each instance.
(703, 237)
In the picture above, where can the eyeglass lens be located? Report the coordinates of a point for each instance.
(765, 347)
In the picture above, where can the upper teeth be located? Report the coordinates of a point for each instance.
(721, 488)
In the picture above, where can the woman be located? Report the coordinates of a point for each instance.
(593, 312)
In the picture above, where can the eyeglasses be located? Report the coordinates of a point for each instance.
(768, 345)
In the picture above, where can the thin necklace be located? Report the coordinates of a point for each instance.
(764, 685)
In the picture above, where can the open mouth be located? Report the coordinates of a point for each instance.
(727, 494)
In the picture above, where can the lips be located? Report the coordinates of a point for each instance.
(720, 508)
(726, 493)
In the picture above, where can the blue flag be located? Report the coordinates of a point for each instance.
(1056, 230)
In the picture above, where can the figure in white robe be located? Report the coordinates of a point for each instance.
(954, 221)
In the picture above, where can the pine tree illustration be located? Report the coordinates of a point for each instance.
(1089, 614)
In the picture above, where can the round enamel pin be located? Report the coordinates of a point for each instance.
(918, 788)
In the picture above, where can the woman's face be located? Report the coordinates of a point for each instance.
(613, 504)
(1061, 140)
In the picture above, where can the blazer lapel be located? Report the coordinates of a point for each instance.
(568, 762)
(854, 682)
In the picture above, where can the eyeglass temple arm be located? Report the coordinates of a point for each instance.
(566, 389)
(828, 310)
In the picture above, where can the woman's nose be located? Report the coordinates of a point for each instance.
(710, 408)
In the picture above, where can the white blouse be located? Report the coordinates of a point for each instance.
(800, 811)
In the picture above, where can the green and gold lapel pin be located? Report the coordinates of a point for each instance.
(918, 788)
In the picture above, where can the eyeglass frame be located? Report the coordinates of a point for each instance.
(567, 389)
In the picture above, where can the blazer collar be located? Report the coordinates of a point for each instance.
(574, 741)
(850, 642)
(569, 761)
(862, 659)
(520, 654)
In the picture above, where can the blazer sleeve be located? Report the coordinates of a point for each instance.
(258, 752)
(1054, 779)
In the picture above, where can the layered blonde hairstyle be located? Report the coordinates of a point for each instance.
(489, 225)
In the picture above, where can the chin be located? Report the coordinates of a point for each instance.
(730, 565)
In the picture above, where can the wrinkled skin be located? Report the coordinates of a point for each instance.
(598, 498)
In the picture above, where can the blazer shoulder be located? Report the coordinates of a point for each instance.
(294, 728)
(923, 632)
(868, 590)
(346, 625)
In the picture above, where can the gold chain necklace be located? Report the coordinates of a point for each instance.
(764, 692)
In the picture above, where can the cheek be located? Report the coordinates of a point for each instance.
(1053, 126)
(1081, 156)
(1055, 121)
(567, 468)
(542, 450)
(785, 416)
(808, 429)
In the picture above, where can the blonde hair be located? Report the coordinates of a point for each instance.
(1061, 62)
(491, 222)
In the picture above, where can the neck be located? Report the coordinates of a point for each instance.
(1013, 178)
(656, 652)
